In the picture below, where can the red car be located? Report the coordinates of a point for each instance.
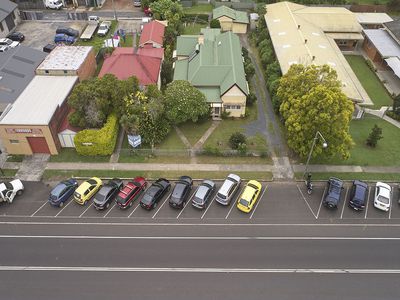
(130, 192)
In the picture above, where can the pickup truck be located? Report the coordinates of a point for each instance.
(104, 28)
(8, 190)
(93, 23)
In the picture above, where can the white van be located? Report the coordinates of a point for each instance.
(54, 4)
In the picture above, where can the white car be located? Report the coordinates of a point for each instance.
(383, 196)
(8, 42)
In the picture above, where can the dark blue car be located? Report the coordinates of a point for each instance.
(62, 192)
(64, 39)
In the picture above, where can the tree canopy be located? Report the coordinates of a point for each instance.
(169, 10)
(312, 101)
(184, 102)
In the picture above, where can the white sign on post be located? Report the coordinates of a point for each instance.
(134, 140)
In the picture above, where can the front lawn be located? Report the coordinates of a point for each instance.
(199, 9)
(70, 155)
(385, 154)
(194, 131)
(371, 83)
(193, 28)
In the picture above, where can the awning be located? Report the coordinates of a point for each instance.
(394, 64)
(345, 35)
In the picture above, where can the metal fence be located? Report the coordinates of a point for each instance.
(242, 5)
(186, 152)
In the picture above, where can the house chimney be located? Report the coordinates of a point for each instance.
(313, 57)
(298, 26)
(305, 41)
(200, 39)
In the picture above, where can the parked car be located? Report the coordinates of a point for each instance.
(137, 3)
(16, 36)
(49, 47)
(4, 48)
(8, 190)
(358, 195)
(64, 39)
(104, 28)
(68, 31)
(383, 196)
(249, 196)
(155, 193)
(62, 192)
(107, 193)
(8, 42)
(332, 197)
(181, 192)
(53, 4)
(87, 190)
(130, 192)
(203, 194)
(228, 189)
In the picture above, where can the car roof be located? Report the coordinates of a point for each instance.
(248, 193)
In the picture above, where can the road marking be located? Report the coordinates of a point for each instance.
(70, 201)
(86, 209)
(233, 203)
(134, 210)
(344, 202)
(322, 199)
(262, 194)
(109, 211)
(188, 203)
(161, 206)
(39, 209)
(199, 270)
(366, 208)
(208, 206)
(227, 238)
(304, 198)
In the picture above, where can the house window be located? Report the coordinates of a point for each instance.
(1, 26)
(65, 71)
(14, 141)
(46, 71)
(342, 43)
(232, 107)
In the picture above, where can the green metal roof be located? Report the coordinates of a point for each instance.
(181, 67)
(185, 44)
(212, 94)
(235, 15)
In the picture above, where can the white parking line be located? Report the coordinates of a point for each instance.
(304, 198)
(70, 201)
(186, 204)
(134, 209)
(322, 199)
(262, 194)
(39, 209)
(208, 206)
(85, 209)
(109, 211)
(344, 202)
(366, 207)
(233, 203)
(161, 206)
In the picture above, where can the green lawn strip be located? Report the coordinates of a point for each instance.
(70, 155)
(15, 158)
(98, 41)
(8, 173)
(193, 29)
(386, 152)
(172, 142)
(232, 160)
(370, 81)
(199, 9)
(128, 41)
(373, 2)
(194, 131)
(164, 159)
(352, 176)
(60, 174)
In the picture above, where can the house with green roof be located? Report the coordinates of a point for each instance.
(231, 20)
(213, 63)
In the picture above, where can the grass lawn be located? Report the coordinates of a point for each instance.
(385, 154)
(371, 83)
(353, 176)
(220, 137)
(15, 158)
(194, 131)
(172, 142)
(59, 175)
(7, 173)
(70, 155)
(193, 29)
(231, 160)
(128, 41)
(199, 9)
(97, 41)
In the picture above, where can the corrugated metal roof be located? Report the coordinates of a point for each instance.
(235, 15)
(373, 18)
(394, 64)
(38, 102)
(152, 32)
(6, 7)
(383, 42)
(66, 58)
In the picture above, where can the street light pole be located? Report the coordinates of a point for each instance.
(324, 145)
(115, 12)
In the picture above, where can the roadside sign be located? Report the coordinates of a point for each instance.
(134, 140)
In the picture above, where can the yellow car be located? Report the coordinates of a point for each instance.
(86, 190)
(249, 196)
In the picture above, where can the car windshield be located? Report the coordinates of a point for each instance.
(221, 196)
(100, 197)
(244, 202)
(58, 189)
(383, 199)
(178, 190)
(102, 27)
(147, 199)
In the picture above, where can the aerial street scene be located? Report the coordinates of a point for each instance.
(200, 149)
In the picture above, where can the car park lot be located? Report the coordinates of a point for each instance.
(279, 202)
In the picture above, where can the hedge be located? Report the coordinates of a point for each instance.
(98, 141)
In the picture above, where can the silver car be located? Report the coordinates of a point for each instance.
(203, 194)
(228, 189)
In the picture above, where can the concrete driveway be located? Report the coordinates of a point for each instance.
(38, 34)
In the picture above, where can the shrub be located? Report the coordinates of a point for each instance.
(225, 114)
(374, 136)
(393, 115)
(236, 139)
(209, 150)
(242, 149)
(251, 99)
(215, 23)
(101, 141)
(370, 65)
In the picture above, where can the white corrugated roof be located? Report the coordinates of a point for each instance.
(383, 42)
(394, 64)
(373, 18)
(38, 102)
(66, 58)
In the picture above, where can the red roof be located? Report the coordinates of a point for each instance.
(152, 32)
(150, 51)
(124, 63)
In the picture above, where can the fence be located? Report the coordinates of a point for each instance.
(31, 15)
(32, 4)
(243, 5)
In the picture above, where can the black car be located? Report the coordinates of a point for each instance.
(16, 36)
(155, 193)
(332, 197)
(107, 193)
(181, 192)
(358, 195)
(49, 47)
(203, 194)
(68, 31)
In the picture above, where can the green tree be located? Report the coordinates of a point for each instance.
(374, 136)
(215, 23)
(184, 102)
(237, 140)
(396, 105)
(312, 100)
(169, 10)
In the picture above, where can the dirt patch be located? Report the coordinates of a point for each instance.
(119, 5)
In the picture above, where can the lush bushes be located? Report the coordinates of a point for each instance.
(215, 23)
(98, 141)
